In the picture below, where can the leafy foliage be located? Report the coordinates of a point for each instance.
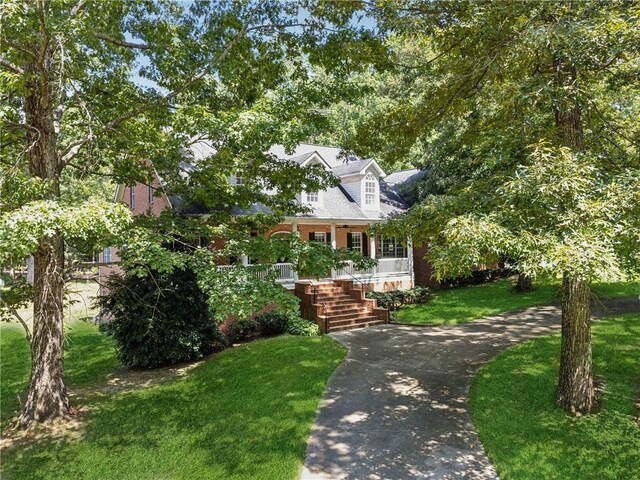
(395, 299)
(243, 329)
(303, 328)
(127, 89)
(273, 323)
(161, 319)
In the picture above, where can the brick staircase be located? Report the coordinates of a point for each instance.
(339, 305)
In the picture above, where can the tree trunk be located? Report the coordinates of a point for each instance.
(524, 284)
(47, 398)
(576, 390)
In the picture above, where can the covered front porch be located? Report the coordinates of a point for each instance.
(394, 256)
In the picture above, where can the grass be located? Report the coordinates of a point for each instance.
(89, 355)
(528, 437)
(89, 358)
(245, 413)
(460, 305)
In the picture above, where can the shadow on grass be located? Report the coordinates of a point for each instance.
(244, 414)
(528, 437)
(89, 358)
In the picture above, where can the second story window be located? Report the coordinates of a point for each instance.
(132, 197)
(239, 181)
(313, 197)
(107, 255)
(152, 197)
(370, 185)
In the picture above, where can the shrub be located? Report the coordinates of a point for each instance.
(243, 329)
(395, 299)
(273, 323)
(160, 320)
(478, 277)
(417, 295)
(302, 328)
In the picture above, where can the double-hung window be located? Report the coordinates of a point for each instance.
(356, 241)
(370, 190)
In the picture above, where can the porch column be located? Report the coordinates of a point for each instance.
(334, 245)
(245, 260)
(294, 231)
(410, 261)
(372, 251)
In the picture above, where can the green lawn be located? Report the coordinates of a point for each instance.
(89, 358)
(527, 437)
(245, 413)
(459, 305)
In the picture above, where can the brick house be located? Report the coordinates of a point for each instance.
(340, 216)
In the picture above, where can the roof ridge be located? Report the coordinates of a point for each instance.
(405, 170)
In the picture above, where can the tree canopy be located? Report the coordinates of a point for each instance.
(123, 90)
(525, 115)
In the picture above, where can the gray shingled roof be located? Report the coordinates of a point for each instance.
(336, 202)
(403, 176)
(351, 167)
(332, 155)
(300, 159)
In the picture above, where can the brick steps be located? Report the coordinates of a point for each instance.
(356, 324)
(338, 306)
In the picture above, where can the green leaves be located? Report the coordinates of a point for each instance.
(91, 225)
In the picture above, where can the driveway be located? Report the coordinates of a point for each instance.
(397, 407)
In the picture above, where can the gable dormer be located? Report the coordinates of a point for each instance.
(361, 180)
(313, 199)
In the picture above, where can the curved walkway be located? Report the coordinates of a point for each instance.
(397, 407)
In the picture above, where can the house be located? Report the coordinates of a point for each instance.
(340, 216)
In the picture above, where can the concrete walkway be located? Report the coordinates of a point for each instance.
(397, 407)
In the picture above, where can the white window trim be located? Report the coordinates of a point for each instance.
(322, 234)
(304, 198)
(236, 180)
(357, 235)
(370, 180)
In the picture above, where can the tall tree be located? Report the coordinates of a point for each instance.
(101, 88)
(564, 200)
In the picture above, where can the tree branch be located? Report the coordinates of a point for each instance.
(10, 66)
(121, 43)
(72, 150)
(15, 313)
(77, 8)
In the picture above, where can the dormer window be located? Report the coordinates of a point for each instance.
(370, 190)
(312, 197)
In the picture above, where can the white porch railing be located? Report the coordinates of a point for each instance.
(284, 272)
(393, 265)
(348, 271)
